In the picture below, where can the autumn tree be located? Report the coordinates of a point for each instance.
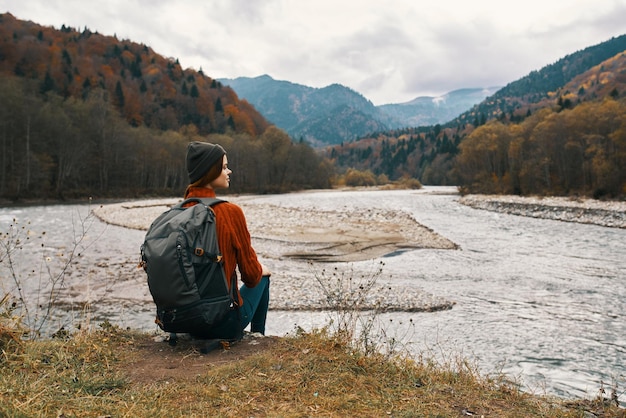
(573, 151)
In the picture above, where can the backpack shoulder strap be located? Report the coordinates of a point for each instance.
(207, 201)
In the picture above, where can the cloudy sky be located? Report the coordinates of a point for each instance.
(390, 51)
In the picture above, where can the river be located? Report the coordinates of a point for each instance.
(542, 301)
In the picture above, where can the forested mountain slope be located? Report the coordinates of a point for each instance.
(560, 130)
(523, 94)
(147, 88)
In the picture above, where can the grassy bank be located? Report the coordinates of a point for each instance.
(98, 374)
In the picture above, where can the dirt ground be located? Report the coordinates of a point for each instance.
(153, 359)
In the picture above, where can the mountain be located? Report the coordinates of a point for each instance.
(531, 92)
(145, 87)
(87, 115)
(557, 130)
(321, 116)
(427, 110)
(337, 114)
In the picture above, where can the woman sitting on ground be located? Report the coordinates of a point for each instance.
(207, 166)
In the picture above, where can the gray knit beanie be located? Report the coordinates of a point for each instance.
(201, 156)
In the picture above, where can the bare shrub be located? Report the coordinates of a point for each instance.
(355, 304)
(20, 245)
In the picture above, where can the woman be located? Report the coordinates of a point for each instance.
(207, 166)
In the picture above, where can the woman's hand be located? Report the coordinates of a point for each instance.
(265, 270)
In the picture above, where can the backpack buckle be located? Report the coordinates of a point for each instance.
(199, 252)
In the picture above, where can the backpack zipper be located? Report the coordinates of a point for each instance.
(181, 265)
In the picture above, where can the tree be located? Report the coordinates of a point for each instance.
(276, 146)
(119, 96)
(483, 159)
(47, 84)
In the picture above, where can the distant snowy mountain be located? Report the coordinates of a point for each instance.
(427, 111)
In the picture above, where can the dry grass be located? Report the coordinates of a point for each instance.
(308, 374)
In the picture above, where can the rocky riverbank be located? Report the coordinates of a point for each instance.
(331, 236)
(328, 235)
(588, 211)
(313, 239)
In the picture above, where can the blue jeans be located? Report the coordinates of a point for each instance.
(256, 302)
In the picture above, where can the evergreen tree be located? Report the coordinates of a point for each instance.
(47, 84)
(119, 95)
